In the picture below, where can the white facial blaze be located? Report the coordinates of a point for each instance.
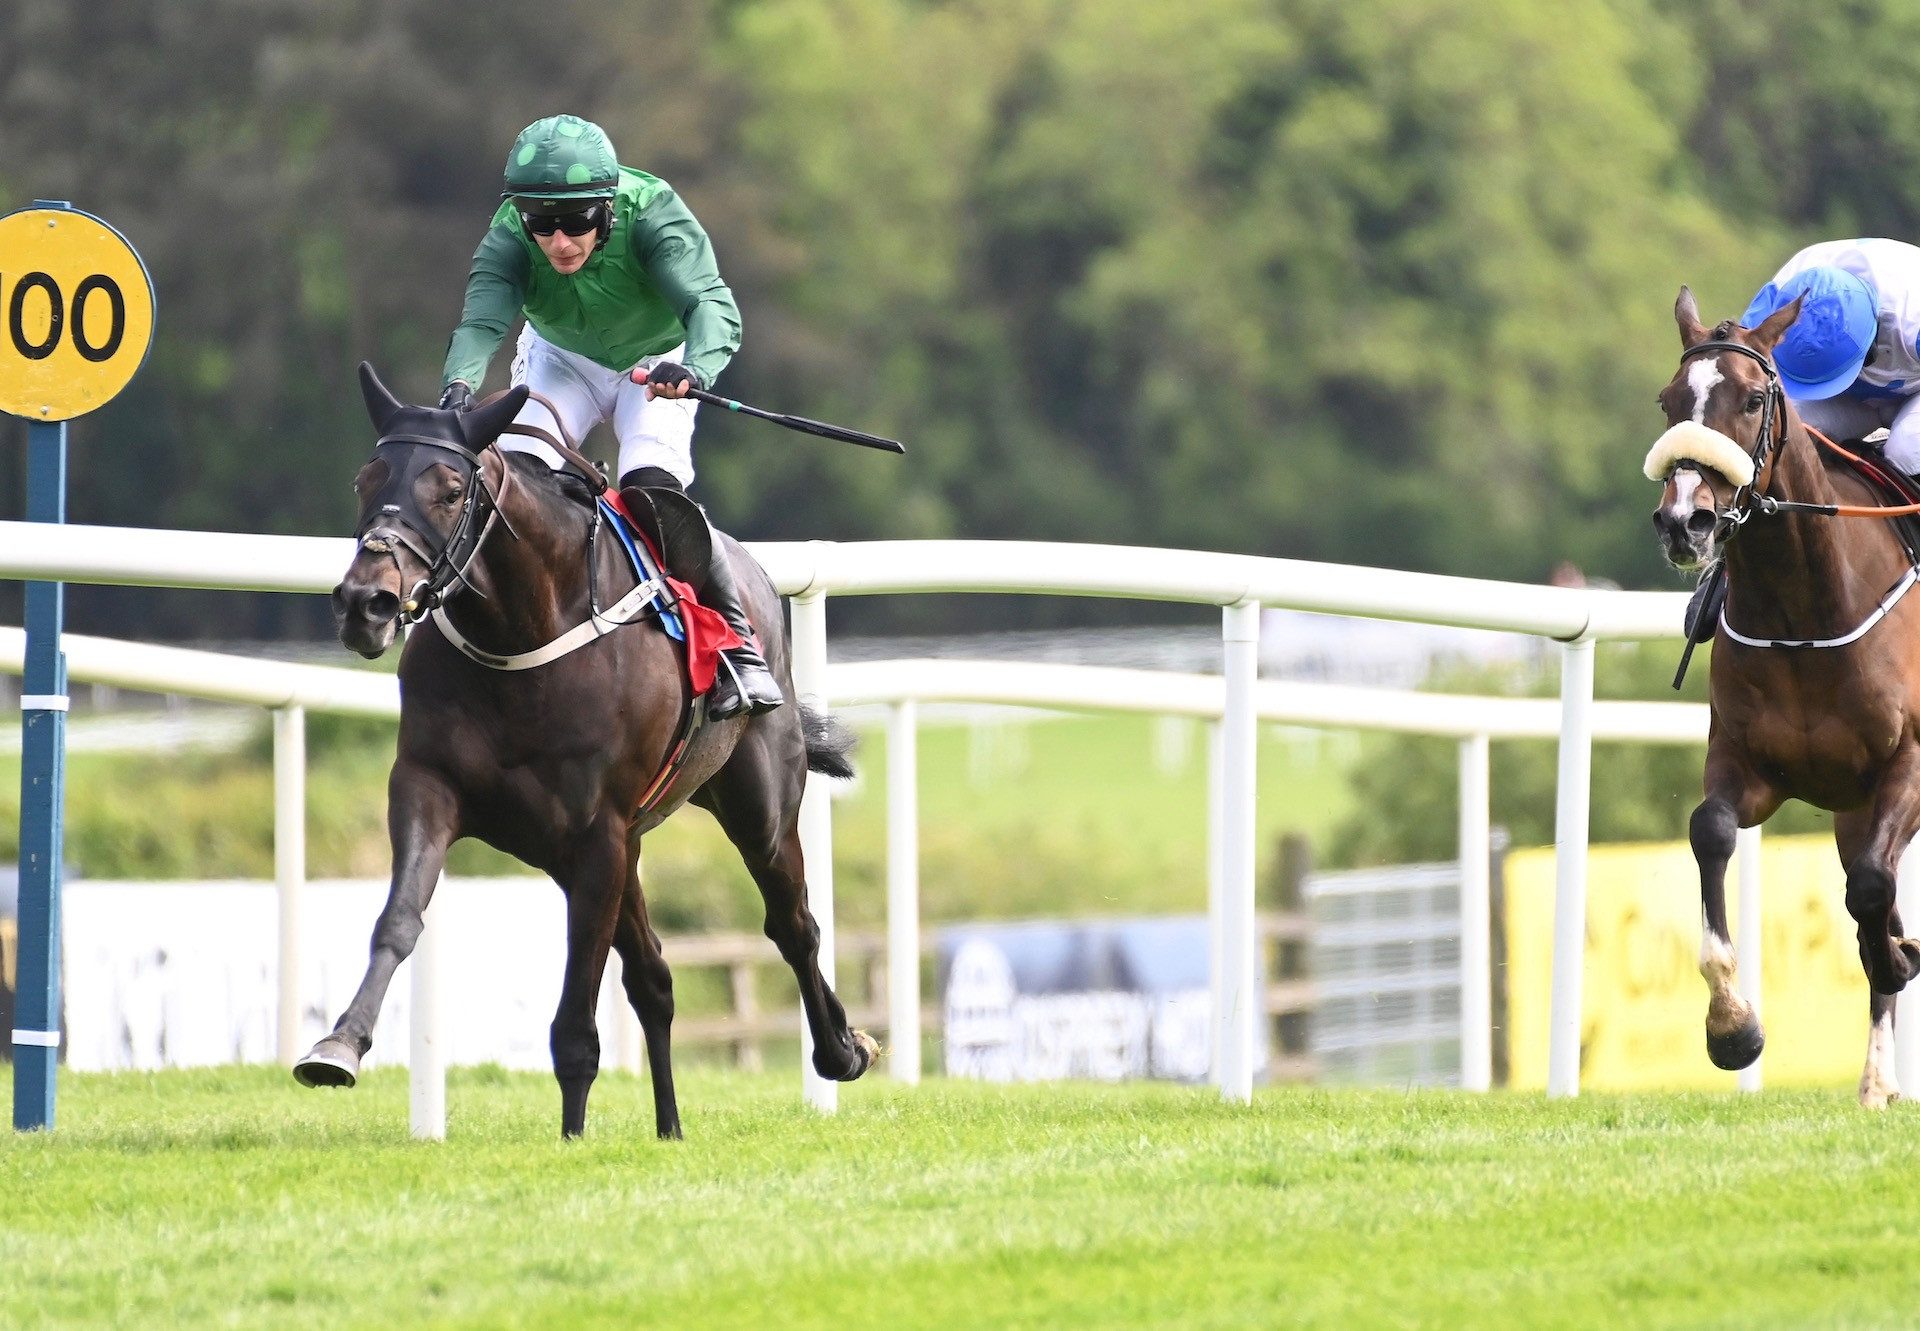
(1684, 485)
(1702, 375)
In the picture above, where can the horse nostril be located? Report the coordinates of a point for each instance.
(1701, 522)
(382, 606)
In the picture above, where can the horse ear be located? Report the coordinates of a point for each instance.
(381, 405)
(1686, 313)
(483, 425)
(1775, 325)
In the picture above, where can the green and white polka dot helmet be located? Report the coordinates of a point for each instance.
(561, 158)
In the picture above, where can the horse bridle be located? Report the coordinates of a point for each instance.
(448, 564)
(447, 558)
(1747, 500)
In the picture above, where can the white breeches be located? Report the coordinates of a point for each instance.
(1844, 418)
(657, 433)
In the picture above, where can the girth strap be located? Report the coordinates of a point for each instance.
(634, 605)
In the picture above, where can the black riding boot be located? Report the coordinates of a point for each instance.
(742, 684)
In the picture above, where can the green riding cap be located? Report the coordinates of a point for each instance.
(561, 157)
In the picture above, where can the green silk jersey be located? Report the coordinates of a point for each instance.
(650, 286)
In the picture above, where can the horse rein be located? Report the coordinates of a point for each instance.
(1748, 501)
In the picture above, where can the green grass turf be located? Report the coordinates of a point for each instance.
(231, 1197)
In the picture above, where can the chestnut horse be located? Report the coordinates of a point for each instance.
(1814, 688)
(554, 763)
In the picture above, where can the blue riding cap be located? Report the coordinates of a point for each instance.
(1822, 353)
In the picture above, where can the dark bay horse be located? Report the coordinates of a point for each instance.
(1815, 685)
(552, 764)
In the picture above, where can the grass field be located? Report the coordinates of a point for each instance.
(232, 1198)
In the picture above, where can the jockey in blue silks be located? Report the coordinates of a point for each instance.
(1851, 361)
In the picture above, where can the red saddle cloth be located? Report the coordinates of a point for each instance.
(708, 633)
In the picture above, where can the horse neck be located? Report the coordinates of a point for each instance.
(1803, 575)
(535, 586)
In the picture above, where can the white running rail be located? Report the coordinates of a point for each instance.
(814, 571)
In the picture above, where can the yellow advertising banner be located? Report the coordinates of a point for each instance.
(1645, 1004)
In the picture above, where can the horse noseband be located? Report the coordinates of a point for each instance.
(1746, 501)
(398, 527)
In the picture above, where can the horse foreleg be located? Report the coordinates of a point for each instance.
(421, 818)
(649, 985)
(595, 881)
(1872, 861)
(1734, 1034)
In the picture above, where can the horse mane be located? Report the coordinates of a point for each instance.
(562, 484)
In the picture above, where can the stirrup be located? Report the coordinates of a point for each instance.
(742, 687)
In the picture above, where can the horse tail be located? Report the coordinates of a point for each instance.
(829, 744)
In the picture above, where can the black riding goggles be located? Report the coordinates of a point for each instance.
(573, 224)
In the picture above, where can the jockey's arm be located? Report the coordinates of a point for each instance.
(496, 293)
(673, 248)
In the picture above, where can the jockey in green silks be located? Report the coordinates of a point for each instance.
(625, 312)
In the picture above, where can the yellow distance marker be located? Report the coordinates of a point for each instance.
(76, 313)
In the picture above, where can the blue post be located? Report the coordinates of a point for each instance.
(43, 722)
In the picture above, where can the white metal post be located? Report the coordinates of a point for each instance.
(1570, 866)
(1476, 914)
(816, 826)
(289, 865)
(427, 1052)
(620, 1036)
(1906, 1012)
(1216, 905)
(1747, 849)
(1245, 1009)
(903, 891)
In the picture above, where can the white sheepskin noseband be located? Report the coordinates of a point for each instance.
(1690, 441)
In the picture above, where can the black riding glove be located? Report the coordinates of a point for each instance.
(457, 397)
(670, 376)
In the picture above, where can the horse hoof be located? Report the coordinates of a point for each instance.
(1877, 1097)
(869, 1052)
(866, 1052)
(1737, 1048)
(331, 1063)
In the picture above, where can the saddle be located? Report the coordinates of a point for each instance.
(675, 527)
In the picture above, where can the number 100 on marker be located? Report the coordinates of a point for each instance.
(76, 313)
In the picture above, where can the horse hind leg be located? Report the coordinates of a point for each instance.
(840, 1053)
(1879, 1087)
(649, 986)
(756, 799)
(1871, 845)
(1734, 1034)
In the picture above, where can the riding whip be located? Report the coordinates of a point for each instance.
(801, 423)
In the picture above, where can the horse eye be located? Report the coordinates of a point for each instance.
(453, 495)
(1755, 401)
